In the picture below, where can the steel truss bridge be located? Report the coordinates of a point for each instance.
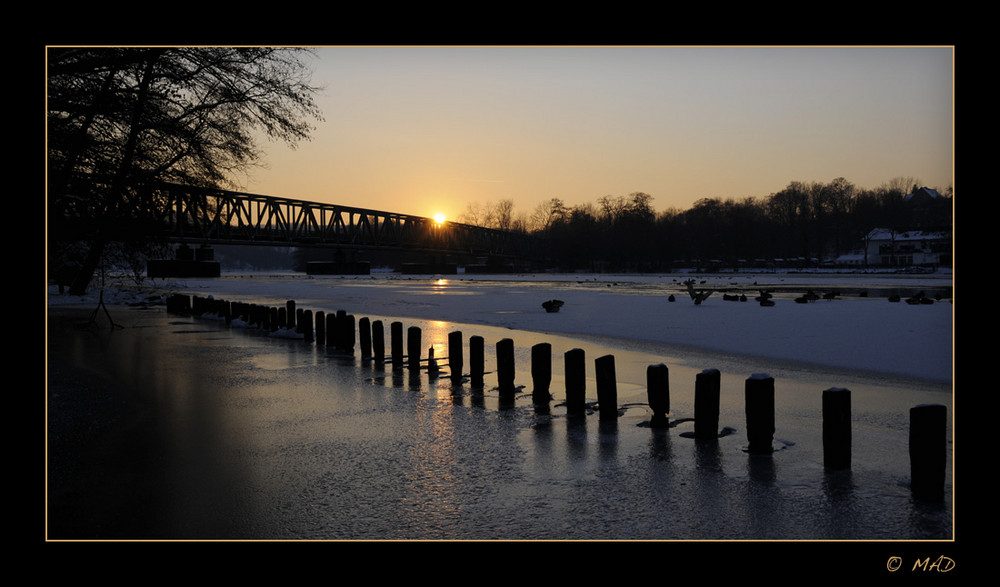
(187, 214)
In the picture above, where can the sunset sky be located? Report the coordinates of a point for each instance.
(428, 130)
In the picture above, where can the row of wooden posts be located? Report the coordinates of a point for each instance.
(928, 422)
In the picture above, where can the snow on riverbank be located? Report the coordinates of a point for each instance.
(852, 331)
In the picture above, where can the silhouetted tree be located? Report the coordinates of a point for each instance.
(499, 215)
(120, 116)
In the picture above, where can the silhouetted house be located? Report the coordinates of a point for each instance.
(900, 248)
(927, 208)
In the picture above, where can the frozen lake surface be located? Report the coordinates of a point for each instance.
(202, 430)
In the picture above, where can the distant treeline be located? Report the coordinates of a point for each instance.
(810, 222)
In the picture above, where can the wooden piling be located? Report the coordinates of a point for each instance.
(307, 325)
(541, 372)
(505, 368)
(576, 381)
(706, 404)
(282, 318)
(333, 325)
(378, 341)
(607, 387)
(340, 330)
(837, 428)
(365, 337)
(413, 335)
(455, 359)
(928, 450)
(759, 397)
(396, 343)
(348, 338)
(658, 394)
(320, 327)
(290, 314)
(477, 361)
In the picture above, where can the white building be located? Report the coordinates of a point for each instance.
(891, 248)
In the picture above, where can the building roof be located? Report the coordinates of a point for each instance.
(885, 234)
(928, 192)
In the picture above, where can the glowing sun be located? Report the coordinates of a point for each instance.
(439, 218)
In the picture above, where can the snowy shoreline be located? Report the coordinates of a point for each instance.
(851, 332)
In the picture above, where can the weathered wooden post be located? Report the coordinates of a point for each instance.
(706, 404)
(307, 325)
(275, 319)
(378, 341)
(759, 398)
(541, 372)
(396, 343)
(837, 428)
(290, 314)
(177, 303)
(320, 327)
(505, 368)
(332, 327)
(339, 339)
(928, 450)
(413, 347)
(347, 333)
(300, 321)
(576, 381)
(365, 336)
(282, 318)
(455, 359)
(607, 387)
(477, 361)
(658, 394)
